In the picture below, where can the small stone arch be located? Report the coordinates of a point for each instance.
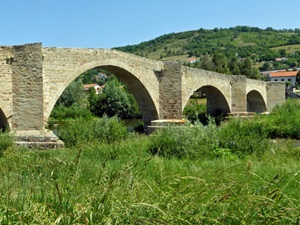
(215, 100)
(3, 122)
(255, 102)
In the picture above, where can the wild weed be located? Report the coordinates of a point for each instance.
(106, 130)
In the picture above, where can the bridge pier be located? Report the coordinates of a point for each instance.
(27, 121)
(238, 94)
(170, 91)
(170, 97)
(40, 139)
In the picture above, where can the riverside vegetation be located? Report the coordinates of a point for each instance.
(228, 174)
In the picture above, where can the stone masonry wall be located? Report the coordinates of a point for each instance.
(275, 94)
(193, 79)
(238, 93)
(27, 87)
(170, 91)
(62, 65)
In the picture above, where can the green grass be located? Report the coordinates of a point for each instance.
(228, 174)
(288, 48)
(125, 184)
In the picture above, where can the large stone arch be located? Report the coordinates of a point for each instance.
(141, 83)
(255, 102)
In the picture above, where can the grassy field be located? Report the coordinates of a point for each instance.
(228, 174)
(124, 184)
(288, 48)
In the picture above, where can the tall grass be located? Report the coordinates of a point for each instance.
(6, 141)
(236, 138)
(284, 120)
(83, 131)
(94, 185)
(228, 174)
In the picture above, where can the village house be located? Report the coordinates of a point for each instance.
(283, 76)
(282, 59)
(97, 87)
(191, 59)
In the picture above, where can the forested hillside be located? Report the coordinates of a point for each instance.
(226, 50)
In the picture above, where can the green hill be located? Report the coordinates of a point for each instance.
(261, 45)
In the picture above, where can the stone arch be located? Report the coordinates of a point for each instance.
(3, 122)
(215, 100)
(255, 102)
(135, 86)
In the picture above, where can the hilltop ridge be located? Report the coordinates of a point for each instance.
(263, 46)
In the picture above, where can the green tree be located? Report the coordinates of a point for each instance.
(220, 63)
(282, 53)
(291, 63)
(206, 63)
(298, 78)
(265, 66)
(234, 66)
(73, 95)
(248, 69)
(114, 101)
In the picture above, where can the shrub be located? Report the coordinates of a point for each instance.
(75, 131)
(74, 111)
(109, 130)
(185, 141)
(104, 130)
(243, 137)
(196, 112)
(231, 140)
(284, 120)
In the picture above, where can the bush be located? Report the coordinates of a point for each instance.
(243, 137)
(284, 120)
(185, 141)
(109, 130)
(6, 141)
(231, 140)
(74, 111)
(103, 130)
(196, 112)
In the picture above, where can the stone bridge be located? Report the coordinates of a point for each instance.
(33, 77)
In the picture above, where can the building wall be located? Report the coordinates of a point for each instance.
(284, 79)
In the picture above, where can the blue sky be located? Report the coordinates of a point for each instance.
(114, 23)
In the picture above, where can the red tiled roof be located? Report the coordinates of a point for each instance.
(284, 74)
(89, 85)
